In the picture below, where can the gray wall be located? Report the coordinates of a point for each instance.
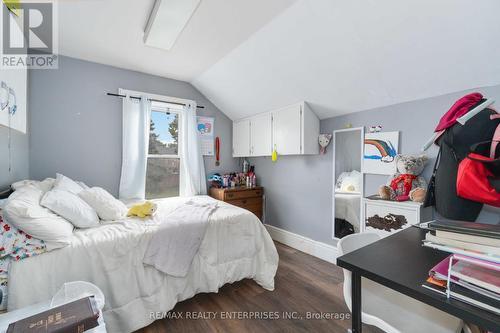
(76, 129)
(299, 188)
(20, 157)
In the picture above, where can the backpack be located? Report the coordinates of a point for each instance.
(479, 173)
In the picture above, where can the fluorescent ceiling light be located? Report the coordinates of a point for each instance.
(167, 20)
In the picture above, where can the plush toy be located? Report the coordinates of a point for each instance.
(406, 183)
(324, 141)
(142, 210)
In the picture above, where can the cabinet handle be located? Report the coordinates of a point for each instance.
(230, 195)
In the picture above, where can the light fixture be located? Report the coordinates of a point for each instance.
(167, 20)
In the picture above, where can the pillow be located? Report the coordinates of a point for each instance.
(83, 185)
(71, 207)
(107, 207)
(45, 185)
(23, 211)
(17, 185)
(66, 184)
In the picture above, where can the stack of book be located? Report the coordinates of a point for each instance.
(472, 273)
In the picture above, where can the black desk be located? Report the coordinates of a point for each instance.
(401, 263)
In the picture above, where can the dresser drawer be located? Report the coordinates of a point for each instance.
(251, 193)
(244, 203)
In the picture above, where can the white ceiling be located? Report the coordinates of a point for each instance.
(341, 56)
(111, 32)
(347, 56)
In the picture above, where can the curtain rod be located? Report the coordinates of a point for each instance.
(153, 100)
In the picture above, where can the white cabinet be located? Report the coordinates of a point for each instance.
(261, 135)
(292, 130)
(295, 130)
(241, 138)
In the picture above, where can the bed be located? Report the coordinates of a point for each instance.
(236, 246)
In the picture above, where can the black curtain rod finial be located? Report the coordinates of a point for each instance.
(153, 100)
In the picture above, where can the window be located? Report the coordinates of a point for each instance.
(164, 160)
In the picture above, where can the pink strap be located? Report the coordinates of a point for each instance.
(496, 137)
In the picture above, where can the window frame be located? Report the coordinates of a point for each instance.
(167, 100)
(179, 155)
(178, 112)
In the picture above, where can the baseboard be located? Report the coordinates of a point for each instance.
(316, 249)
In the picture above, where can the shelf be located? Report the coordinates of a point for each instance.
(348, 193)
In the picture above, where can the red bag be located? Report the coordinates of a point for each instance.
(476, 174)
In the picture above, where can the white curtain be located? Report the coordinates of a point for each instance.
(136, 118)
(193, 169)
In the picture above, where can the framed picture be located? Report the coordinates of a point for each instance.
(206, 134)
(380, 151)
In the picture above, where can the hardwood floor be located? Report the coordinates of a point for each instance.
(304, 284)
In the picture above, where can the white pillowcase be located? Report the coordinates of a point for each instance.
(107, 207)
(71, 207)
(45, 185)
(23, 210)
(83, 185)
(67, 184)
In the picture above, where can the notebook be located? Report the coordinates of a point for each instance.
(478, 275)
(468, 228)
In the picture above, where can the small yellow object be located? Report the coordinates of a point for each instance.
(274, 157)
(142, 210)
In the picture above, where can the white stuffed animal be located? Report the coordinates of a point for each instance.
(324, 141)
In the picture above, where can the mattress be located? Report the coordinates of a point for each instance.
(236, 246)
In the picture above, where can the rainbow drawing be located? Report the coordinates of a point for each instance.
(385, 148)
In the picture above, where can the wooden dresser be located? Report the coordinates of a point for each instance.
(249, 198)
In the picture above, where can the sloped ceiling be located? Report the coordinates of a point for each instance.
(347, 56)
(111, 32)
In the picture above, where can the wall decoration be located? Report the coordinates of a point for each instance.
(324, 141)
(206, 135)
(13, 95)
(380, 152)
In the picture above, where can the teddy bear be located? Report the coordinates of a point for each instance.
(324, 141)
(147, 208)
(406, 183)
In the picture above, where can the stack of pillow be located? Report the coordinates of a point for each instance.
(49, 210)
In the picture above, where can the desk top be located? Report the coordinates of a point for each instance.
(401, 263)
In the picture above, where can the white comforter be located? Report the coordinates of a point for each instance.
(236, 246)
(178, 238)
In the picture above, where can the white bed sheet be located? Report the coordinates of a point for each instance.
(236, 246)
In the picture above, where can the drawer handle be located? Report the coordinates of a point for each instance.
(258, 193)
(244, 202)
(230, 195)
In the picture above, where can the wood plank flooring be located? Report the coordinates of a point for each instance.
(303, 284)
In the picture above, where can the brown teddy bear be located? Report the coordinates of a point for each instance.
(406, 183)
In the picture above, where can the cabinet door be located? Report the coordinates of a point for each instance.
(241, 138)
(260, 135)
(287, 131)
